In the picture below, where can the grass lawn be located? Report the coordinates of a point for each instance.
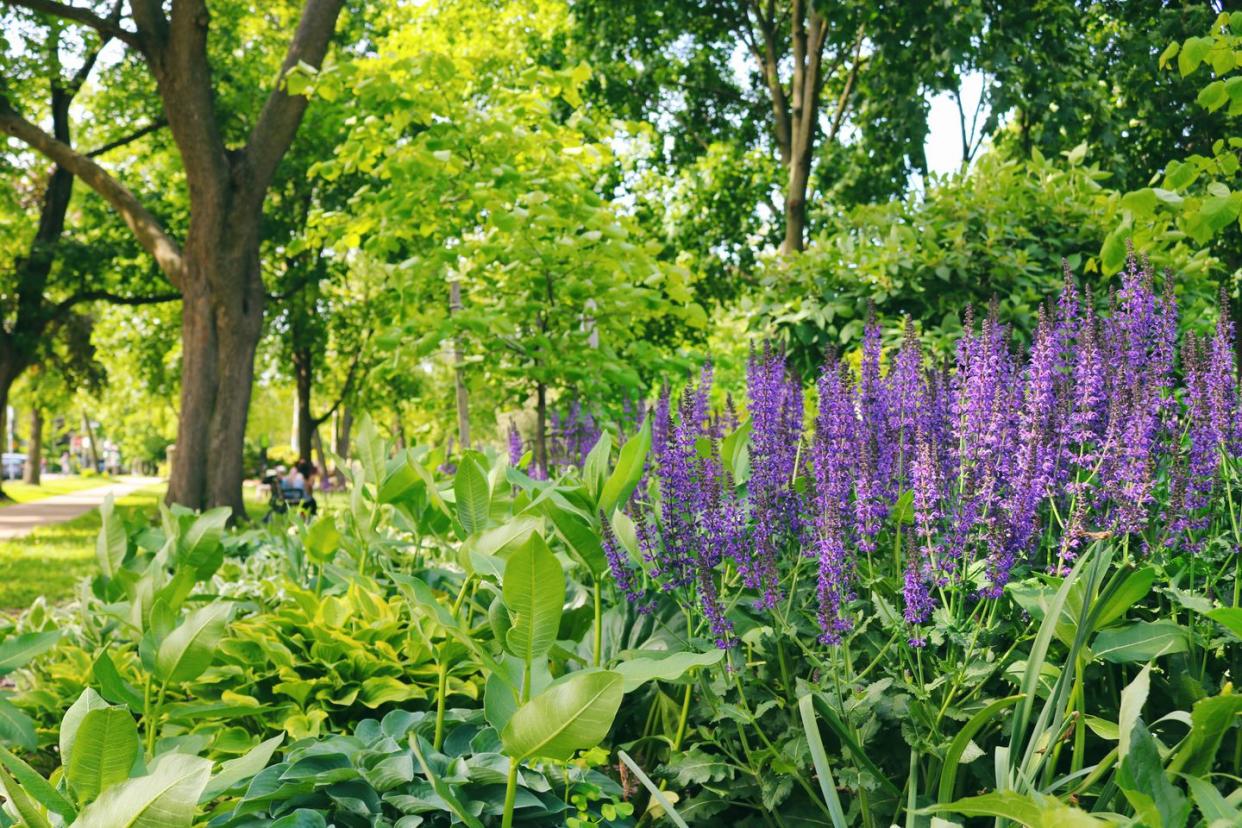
(52, 559)
(20, 492)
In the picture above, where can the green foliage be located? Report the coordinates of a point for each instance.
(998, 232)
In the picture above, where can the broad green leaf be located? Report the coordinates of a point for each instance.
(1193, 51)
(236, 771)
(110, 545)
(322, 540)
(1210, 719)
(167, 797)
(1133, 587)
(1168, 54)
(17, 651)
(16, 728)
(1141, 641)
(36, 786)
(595, 467)
(582, 539)
(473, 495)
(72, 720)
(31, 815)
(1215, 808)
(570, 716)
(1140, 202)
(1213, 96)
(534, 594)
(103, 752)
(1230, 618)
(201, 549)
(639, 671)
(1142, 779)
(442, 789)
(1133, 697)
(189, 649)
(1034, 811)
(628, 471)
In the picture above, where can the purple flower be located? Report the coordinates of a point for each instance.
(832, 468)
(627, 577)
(516, 449)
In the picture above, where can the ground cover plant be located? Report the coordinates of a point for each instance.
(1002, 589)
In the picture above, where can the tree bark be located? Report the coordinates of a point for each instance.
(459, 378)
(217, 272)
(92, 446)
(303, 376)
(34, 448)
(541, 427)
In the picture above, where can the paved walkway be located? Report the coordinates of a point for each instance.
(19, 519)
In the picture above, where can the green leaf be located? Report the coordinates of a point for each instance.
(628, 471)
(823, 769)
(1141, 777)
(443, 789)
(1140, 202)
(1133, 587)
(572, 715)
(16, 728)
(1215, 808)
(1141, 641)
(846, 737)
(1213, 96)
(110, 545)
(948, 773)
(18, 650)
(27, 809)
(639, 671)
(32, 783)
(1168, 54)
(735, 452)
(236, 771)
(167, 797)
(103, 752)
(1230, 618)
(322, 540)
(114, 688)
(582, 539)
(1193, 51)
(1034, 811)
(189, 649)
(1210, 719)
(534, 594)
(595, 467)
(72, 720)
(1133, 697)
(201, 549)
(473, 495)
(1113, 251)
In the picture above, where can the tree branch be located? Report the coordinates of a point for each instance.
(106, 27)
(62, 307)
(349, 381)
(154, 126)
(146, 227)
(282, 113)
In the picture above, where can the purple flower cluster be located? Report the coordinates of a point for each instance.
(516, 448)
(1006, 459)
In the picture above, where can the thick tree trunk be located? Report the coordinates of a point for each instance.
(34, 448)
(222, 320)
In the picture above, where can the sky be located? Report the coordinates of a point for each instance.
(944, 141)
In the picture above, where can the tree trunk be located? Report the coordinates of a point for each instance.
(222, 319)
(459, 379)
(303, 374)
(317, 441)
(92, 446)
(344, 423)
(541, 427)
(34, 448)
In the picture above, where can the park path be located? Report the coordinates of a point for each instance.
(21, 519)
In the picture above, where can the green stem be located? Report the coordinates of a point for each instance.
(599, 627)
(681, 722)
(153, 721)
(510, 794)
(441, 699)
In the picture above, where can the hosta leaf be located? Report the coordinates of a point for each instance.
(167, 797)
(103, 752)
(189, 649)
(534, 594)
(572, 715)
